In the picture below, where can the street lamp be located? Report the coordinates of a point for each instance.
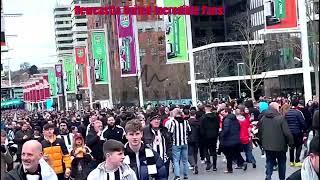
(238, 68)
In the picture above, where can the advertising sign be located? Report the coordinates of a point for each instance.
(127, 47)
(100, 57)
(280, 15)
(176, 34)
(69, 74)
(58, 74)
(52, 80)
(81, 67)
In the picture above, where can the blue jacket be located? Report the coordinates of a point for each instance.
(151, 166)
(296, 121)
(230, 131)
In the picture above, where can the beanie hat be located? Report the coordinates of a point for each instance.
(263, 106)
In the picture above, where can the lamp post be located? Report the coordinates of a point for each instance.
(239, 84)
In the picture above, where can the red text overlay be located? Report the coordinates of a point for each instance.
(150, 10)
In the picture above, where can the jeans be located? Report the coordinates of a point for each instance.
(180, 153)
(211, 150)
(247, 148)
(193, 149)
(298, 141)
(232, 153)
(272, 158)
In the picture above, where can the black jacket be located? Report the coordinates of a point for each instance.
(18, 139)
(17, 174)
(230, 135)
(295, 176)
(195, 135)
(148, 138)
(96, 145)
(209, 127)
(274, 132)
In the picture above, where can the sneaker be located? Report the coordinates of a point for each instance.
(190, 167)
(177, 178)
(185, 177)
(195, 170)
(214, 168)
(228, 172)
(245, 167)
(292, 164)
(203, 161)
(209, 166)
(298, 164)
(239, 167)
(254, 165)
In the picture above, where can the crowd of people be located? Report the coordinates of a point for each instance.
(144, 144)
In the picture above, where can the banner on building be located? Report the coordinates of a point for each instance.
(280, 15)
(52, 80)
(81, 67)
(69, 74)
(175, 34)
(59, 78)
(127, 46)
(3, 37)
(100, 57)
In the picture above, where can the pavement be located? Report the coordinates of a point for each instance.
(238, 174)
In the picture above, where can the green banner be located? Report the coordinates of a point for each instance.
(281, 9)
(69, 74)
(100, 57)
(52, 82)
(176, 34)
(13, 102)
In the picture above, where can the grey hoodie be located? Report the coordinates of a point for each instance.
(100, 173)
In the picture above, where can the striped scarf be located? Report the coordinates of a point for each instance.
(130, 159)
(159, 145)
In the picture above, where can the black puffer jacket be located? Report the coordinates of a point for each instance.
(209, 127)
(230, 134)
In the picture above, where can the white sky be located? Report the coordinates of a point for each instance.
(35, 41)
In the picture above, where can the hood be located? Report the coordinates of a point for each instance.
(124, 167)
(194, 121)
(271, 113)
(263, 106)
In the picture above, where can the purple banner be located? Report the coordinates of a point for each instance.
(127, 47)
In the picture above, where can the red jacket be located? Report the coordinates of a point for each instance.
(244, 129)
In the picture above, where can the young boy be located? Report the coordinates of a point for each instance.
(145, 162)
(113, 167)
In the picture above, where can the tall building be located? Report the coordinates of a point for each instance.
(79, 23)
(63, 30)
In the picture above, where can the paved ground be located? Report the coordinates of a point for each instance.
(253, 174)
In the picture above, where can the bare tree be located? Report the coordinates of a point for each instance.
(252, 52)
(209, 64)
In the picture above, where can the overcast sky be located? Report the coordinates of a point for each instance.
(35, 41)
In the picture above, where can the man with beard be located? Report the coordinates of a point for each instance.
(65, 135)
(32, 166)
(113, 131)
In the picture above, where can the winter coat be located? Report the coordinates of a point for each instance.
(295, 176)
(6, 159)
(244, 129)
(59, 157)
(95, 144)
(195, 135)
(47, 173)
(18, 138)
(151, 165)
(149, 136)
(230, 134)
(274, 132)
(100, 173)
(80, 167)
(296, 121)
(209, 127)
